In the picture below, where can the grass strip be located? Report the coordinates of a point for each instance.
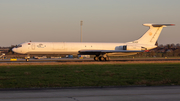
(30, 76)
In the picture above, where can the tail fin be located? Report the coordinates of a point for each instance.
(151, 36)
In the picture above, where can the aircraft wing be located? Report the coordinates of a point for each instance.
(95, 52)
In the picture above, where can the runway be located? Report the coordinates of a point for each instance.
(87, 60)
(166, 93)
(75, 61)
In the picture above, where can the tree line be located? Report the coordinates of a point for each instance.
(169, 50)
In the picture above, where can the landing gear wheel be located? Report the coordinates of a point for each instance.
(27, 57)
(27, 60)
(101, 58)
(106, 58)
(96, 58)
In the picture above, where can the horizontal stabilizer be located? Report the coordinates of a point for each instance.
(159, 25)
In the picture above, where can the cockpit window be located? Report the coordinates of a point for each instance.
(18, 46)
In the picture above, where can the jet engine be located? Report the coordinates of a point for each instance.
(132, 47)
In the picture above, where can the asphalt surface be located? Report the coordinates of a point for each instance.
(87, 60)
(166, 93)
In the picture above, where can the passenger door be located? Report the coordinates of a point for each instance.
(32, 46)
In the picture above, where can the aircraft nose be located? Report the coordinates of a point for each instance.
(14, 49)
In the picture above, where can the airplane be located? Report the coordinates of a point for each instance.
(102, 51)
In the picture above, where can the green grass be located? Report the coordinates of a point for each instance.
(89, 75)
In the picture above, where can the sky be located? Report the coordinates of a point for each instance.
(103, 20)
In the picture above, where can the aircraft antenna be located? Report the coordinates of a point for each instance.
(81, 24)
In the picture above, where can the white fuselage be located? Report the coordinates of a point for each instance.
(72, 47)
(101, 50)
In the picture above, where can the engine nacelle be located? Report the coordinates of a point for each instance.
(132, 47)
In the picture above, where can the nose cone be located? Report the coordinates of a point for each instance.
(14, 50)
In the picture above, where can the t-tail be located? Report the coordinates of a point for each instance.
(151, 36)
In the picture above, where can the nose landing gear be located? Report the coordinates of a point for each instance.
(27, 58)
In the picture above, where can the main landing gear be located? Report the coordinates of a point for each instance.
(101, 58)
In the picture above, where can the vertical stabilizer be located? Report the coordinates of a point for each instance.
(151, 36)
